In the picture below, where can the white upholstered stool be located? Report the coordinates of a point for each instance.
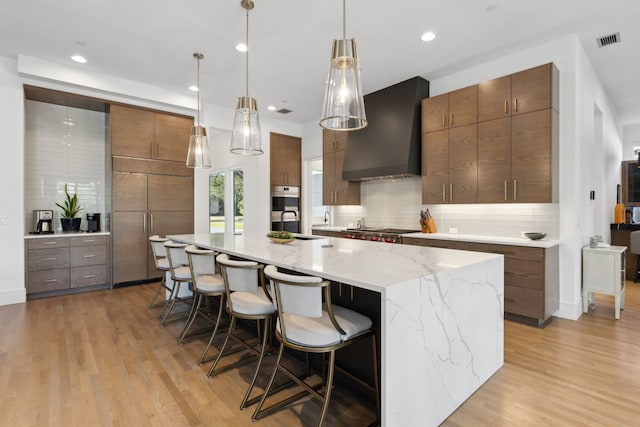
(162, 265)
(180, 273)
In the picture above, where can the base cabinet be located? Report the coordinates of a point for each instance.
(66, 264)
(603, 272)
(531, 277)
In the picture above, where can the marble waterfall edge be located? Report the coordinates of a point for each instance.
(457, 317)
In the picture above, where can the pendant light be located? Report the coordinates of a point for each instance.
(198, 156)
(343, 107)
(245, 137)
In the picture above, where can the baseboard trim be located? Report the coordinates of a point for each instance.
(13, 296)
(569, 311)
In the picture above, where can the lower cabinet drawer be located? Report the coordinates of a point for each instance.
(46, 259)
(50, 280)
(88, 276)
(88, 255)
(524, 302)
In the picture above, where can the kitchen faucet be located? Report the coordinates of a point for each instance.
(282, 218)
(326, 216)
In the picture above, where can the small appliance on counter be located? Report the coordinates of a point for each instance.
(42, 222)
(93, 222)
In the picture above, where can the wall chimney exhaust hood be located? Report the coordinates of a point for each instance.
(391, 145)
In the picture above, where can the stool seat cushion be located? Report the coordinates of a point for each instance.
(210, 283)
(163, 264)
(251, 303)
(182, 273)
(320, 332)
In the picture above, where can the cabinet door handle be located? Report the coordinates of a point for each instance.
(515, 104)
(50, 281)
(151, 221)
(451, 192)
(444, 121)
(144, 223)
(352, 293)
(89, 256)
(49, 259)
(506, 106)
(515, 189)
(505, 190)
(88, 240)
(49, 243)
(444, 193)
(450, 119)
(88, 276)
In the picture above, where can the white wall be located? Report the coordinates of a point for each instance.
(631, 135)
(12, 288)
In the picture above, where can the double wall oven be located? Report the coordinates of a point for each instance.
(285, 208)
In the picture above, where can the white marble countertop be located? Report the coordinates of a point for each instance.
(370, 265)
(70, 234)
(516, 241)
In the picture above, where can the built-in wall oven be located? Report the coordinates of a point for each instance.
(285, 208)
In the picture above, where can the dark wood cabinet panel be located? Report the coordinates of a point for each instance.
(172, 137)
(335, 190)
(463, 164)
(463, 106)
(285, 160)
(533, 89)
(132, 131)
(494, 161)
(130, 241)
(129, 192)
(494, 99)
(169, 193)
(435, 167)
(434, 113)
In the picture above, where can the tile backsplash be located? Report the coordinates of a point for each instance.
(397, 203)
(64, 145)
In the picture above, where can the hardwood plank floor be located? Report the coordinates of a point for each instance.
(100, 359)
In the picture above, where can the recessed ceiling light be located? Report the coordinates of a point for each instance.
(79, 58)
(271, 108)
(428, 36)
(241, 47)
(193, 88)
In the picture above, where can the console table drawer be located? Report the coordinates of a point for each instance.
(88, 255)
(88, 240)
(88, 276)
(46, 259)
(52, 242)
(50, 280)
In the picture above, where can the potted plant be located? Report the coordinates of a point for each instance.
(70, 209)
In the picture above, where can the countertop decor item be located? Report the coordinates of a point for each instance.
(618, 211)
(70, 210)
(427, 223)
(281, 236)
(535, 235)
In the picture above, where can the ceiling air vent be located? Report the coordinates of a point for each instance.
(283, 111)
(608, 39)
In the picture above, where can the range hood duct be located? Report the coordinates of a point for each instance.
(391, 145)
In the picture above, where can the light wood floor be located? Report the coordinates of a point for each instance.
(100, 359)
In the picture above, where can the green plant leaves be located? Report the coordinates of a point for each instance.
(71, 205)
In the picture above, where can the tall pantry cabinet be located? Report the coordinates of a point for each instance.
(152, 187)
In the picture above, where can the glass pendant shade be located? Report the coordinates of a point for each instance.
(246, 138)
(198, 156)
(343, 107)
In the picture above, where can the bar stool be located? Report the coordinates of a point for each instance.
(247, 298)
(162, 265)
(304, 324)
(206, 283)
(180, 273)
(634, 239)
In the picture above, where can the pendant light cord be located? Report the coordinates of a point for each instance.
(247, 57)
(344, 19)
(198, 83)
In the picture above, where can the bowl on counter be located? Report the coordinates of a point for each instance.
(535, 235)
(281, 237)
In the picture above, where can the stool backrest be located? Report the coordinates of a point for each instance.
(300, 295)
(240, 276)
(157, 247)
(176, 254)
(201, 262)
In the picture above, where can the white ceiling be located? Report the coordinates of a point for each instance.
(153, 41)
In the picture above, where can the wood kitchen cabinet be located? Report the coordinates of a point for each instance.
(65, 264)
(335, 190)
(450, 165)
(519, 93)
(449, 110)
(145, 204)
(140, 133)
(531, 276)
(285, 160)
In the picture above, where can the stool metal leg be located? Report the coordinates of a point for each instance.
(635, 279)
(203, 357)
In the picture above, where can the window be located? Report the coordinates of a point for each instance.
(216, 203)
(221, 190)
(238, 201)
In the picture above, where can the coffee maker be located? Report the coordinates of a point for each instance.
(43, 221)
(93, 222)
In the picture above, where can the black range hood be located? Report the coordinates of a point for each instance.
(390, 146)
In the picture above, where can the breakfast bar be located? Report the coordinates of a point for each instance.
(441, 312)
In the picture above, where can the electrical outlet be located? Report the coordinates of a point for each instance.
(453, 230)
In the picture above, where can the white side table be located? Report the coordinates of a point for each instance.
(603, 272)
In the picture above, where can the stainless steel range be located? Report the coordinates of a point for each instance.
(386, 235)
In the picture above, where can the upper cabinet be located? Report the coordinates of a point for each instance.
(506, 155)
(147, 134)
(524, 92)
(286, 160)
(336, 191)
(453, 109)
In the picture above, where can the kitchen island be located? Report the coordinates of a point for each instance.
(441, 311)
